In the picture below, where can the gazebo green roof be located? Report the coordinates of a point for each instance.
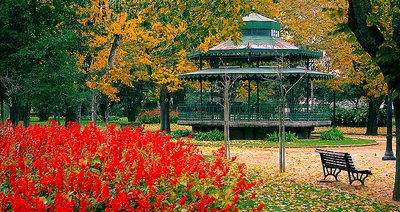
(257, 46)
(260, 40)
(257, 21)
(254, 73)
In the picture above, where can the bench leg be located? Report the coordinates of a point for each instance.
(354, 176)
(331, 171)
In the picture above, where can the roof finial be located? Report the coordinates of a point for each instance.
(253, 9)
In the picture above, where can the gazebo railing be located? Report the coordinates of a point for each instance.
(253, 112)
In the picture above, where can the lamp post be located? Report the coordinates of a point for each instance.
(389, 134)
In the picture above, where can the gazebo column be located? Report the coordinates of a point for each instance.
(258, 98)
(334, 109)
(211, 92)
(291, 102)
(201, 91)
(308, 98)
(200, 62)
(312, 95)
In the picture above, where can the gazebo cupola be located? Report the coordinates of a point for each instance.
(258, 25)
(254, 60)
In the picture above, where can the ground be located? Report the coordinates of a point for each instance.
(304, 166)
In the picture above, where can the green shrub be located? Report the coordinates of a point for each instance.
(272, 137)
(214, 135)
(357, 116)
(173, 119)
(149, 117)
(180, 133)
(332, 134)
(289, 137)
(153, 117)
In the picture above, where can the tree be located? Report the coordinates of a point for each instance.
(376, 25)
(227, 86)
(38, 56)
(131, 98)
(319, 25)
(153, 39)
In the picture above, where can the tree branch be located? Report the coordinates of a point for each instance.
(396, 22)
(369, 37)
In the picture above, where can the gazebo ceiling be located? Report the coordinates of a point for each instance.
(254, 73)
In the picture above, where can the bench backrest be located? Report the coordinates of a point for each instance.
(341, 160)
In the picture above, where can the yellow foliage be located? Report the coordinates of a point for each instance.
(155, 39)
(305, 23)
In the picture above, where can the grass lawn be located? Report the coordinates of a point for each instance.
(301, 143)
(279, 193)
(355, 130)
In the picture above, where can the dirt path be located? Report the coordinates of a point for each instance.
(304, 165)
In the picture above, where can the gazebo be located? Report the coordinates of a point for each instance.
(256, 61)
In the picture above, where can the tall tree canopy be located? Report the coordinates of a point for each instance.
(376, 24)
(37, 55)
(146, 40)
(321, 25)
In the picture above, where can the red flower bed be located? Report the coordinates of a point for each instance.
(67, 169)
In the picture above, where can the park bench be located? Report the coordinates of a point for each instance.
(334, 162)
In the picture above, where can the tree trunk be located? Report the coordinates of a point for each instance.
(373, 111)
(78, 113)
(58, 118)
(3, 118)
(94, 117)
(281, 114)
(14, 112)
(369, 37)
(226, 119)
(396, 189)
(43, 115)
(131, 110)
(70, 115)
(113, 51)
(164, 109)
(26, 115)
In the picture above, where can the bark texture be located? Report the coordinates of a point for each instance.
(164, 109)
(396, 190)
(373, 115)
(369, 37)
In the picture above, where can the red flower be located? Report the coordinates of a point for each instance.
(182, 200)
(57, 168)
